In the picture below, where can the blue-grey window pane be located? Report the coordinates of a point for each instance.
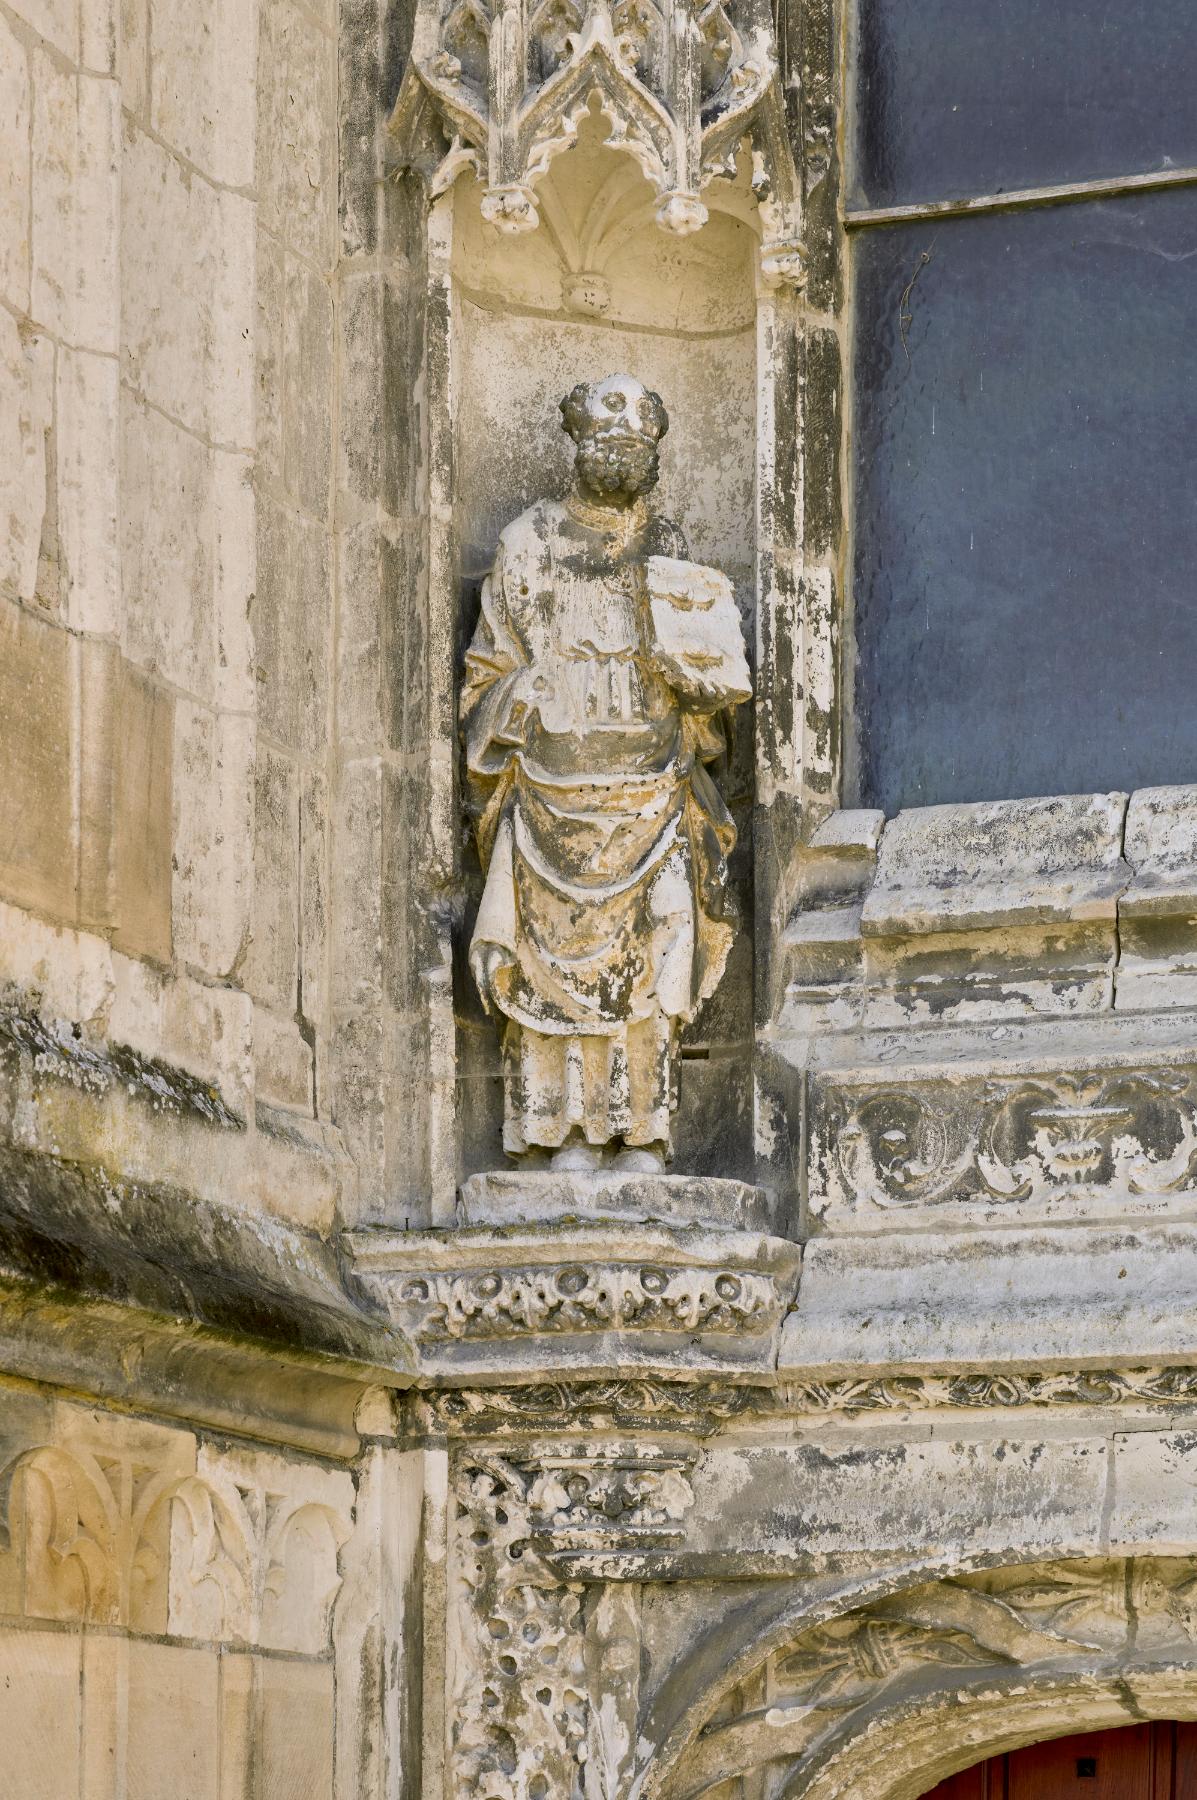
(1025, 517)
(959, 97)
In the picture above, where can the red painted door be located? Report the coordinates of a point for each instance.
(1139, 1762)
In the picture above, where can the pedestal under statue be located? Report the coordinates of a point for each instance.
(595, 682)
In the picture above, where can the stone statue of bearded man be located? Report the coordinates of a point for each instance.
(594, 684)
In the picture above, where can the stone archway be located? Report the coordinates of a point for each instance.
(883, 1701)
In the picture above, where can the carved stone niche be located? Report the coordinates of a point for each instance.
(502, 87)
(646, 145)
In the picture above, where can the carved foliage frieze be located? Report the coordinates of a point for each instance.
(697, 1408)
(517, 1302)
(502, 87)
(1005, 1139)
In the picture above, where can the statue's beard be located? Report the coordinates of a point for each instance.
(617, 464)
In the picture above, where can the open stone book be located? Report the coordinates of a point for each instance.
(698, 641)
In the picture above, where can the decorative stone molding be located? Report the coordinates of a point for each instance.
(886, 1145)
(700, 1409)
(526, 1716)
(525, 1296)
(835, 1686)
(502, 87)
(696, 1408)
(520, 1703)
(574, 1298)
(984, 1390)
(116, 1540)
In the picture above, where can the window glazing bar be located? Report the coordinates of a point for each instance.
(1016, 198)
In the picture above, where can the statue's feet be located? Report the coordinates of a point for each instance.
(640, 1159)
(576, 1158)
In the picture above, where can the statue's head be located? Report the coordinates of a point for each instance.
(617, 424)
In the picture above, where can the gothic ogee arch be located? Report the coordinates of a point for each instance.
(884, 1699)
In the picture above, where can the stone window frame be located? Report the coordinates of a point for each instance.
(820, 80)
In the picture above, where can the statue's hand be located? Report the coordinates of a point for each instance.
(527, 691)
(486, 960)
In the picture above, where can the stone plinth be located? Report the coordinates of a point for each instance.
(518, 1197)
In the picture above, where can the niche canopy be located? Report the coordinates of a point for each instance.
(509, 83)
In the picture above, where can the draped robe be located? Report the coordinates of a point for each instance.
(603, 837)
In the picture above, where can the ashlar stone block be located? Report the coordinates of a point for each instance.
(169, 579)
(176, 1683)
(15, 169)
(1154, 1503)
(37, 840)
(272, 967)
(187, 271)
(202, 83)
(297, 138)
(39, 1712)
(76, 145)
(26, 414)
(213, 784)
(296, 1740)
(55, 20)
(1000, 863)
(939, 1499)
(88, 447)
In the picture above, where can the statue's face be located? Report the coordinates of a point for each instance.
(617, 424)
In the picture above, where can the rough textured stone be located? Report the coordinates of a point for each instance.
(861, 1443)
(1011, 862)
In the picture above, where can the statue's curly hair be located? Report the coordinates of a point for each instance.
(573, 410)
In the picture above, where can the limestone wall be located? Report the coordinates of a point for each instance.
(202, 678)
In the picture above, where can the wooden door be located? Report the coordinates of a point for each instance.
(1139, 1762)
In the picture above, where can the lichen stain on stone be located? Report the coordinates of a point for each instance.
(58, 1050)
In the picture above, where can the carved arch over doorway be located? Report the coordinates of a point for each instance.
(883, 1701)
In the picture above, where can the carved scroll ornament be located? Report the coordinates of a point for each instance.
(1015, 1140)
(682, 83)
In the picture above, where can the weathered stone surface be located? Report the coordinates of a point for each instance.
(519, 1197)
(37, 837)
(584, 721)
(76, 145)
(213, 778)
(985, 1298)
(1161, 848)
(272, 965)
(15, 172)
(1014, 862)
(203, 99)
(26, 375)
